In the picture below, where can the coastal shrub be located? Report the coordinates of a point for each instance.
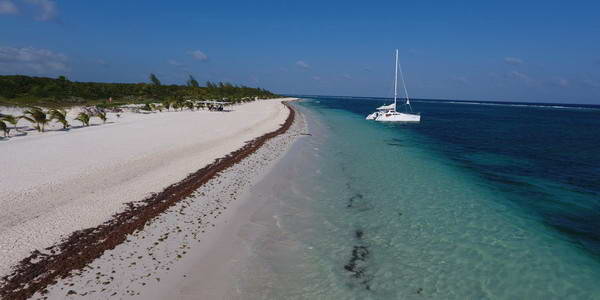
(155, 81)
(176, 105)
(37, 116)
(167, 104)
(59, 115)
(4, 128)
(192, 82)
(10, 119)
(146, 107)
(83, 118)
(102, 116)
(61, 92)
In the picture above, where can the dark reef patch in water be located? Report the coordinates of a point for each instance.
(359, 234)
(356, 203)
(357, 263)
(356, 196)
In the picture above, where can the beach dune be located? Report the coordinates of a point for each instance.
(55, 183)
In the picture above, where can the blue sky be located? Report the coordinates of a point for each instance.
(539, 51)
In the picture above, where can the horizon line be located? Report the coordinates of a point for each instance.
(436, 99)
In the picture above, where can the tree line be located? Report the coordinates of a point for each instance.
(28, 90)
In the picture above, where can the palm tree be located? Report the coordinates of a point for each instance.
(38, 116)
(4, 128)
(83, 118)
(167, 104)
(102, 116)
(11, 120)
(155, 81)
(192, 82)
(59, 115)
(147, 107)
(180, 104)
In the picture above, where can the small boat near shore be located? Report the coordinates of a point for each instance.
(388, 113)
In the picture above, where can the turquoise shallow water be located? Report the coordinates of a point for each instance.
(372, 211)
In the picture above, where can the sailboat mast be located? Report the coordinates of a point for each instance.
(396, 80)
(403, 83)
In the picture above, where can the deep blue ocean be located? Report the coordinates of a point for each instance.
(481, 200)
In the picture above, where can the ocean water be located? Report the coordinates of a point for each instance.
(478, 201)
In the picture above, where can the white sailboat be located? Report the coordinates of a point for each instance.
(388, 113)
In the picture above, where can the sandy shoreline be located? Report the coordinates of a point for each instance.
(186, 148)
(214, 267)
(189, 251)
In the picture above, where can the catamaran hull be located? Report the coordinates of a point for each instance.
(398, 117)
(372, 116)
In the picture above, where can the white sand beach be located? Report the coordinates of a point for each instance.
(195, 248)
(57, 182)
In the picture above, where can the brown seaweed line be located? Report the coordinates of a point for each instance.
(38, 271)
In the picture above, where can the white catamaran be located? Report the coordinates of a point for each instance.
(388, 113)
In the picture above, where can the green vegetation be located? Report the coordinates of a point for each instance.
(4, 128)
(146, 107)
(83, 118)
(102, 116)
(58, 93)
(155, 80)
(167, 104)
(177, 105)
(59, 115)
(192, 82)
(10, 119)
(37, 116)
(26, 91)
